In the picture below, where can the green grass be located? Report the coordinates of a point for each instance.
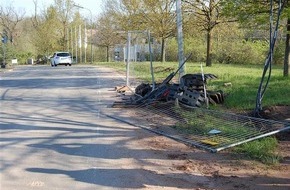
(263, 150)
(245, 80)
(240, 96)
(198, 122)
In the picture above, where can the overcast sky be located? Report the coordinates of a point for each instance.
(94, 5)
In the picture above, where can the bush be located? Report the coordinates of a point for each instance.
(193, 45)
(228, 51)
(196, 46)
(241, 52)
(171, 50)
(279, 53)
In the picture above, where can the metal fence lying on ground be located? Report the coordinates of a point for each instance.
(211, 130)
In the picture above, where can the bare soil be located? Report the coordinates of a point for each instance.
(228, 170)
(281, 112)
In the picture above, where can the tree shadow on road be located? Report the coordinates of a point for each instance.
(140, 178)
(125, 178)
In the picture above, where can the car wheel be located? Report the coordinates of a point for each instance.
(65, 64)
(69, 64)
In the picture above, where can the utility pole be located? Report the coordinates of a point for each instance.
(180, 37)
(128, 57)
(78, 6)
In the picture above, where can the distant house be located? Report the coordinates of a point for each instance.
(137, 52)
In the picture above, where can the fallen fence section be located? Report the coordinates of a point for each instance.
(211, 130)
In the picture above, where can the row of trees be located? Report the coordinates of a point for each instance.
(213, 29)
(203, 20)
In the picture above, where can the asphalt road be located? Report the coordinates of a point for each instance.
(54, 135)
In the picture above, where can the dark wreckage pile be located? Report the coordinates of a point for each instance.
(191, 91)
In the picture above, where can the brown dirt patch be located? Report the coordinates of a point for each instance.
(277, 113)
(281, 113)
(228, 170)
(225, 170)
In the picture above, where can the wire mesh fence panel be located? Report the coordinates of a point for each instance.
(207, 129)
(137, 56)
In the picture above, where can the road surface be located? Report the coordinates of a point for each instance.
(54, 135)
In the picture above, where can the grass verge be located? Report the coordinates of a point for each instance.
(244, 79)
(264, 150)
(240, 95)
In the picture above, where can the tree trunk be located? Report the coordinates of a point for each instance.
(162, 50)
(287, 51)
(108, 55)
(208, 49)
(64, 38)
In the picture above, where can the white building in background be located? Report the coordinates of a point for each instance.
(138, 52)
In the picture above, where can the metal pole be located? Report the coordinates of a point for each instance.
(91, 37)
(81, 7)
(151, 64)
(204, 89)
(85, 42)
(76, 43)
(71, 43)
(135, 52)
(80, 42)
(180, 37)
(253, 138)
(128, 57)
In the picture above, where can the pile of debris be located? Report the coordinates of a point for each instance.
(191, 91)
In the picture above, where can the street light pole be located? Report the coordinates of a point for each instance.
(81, 7)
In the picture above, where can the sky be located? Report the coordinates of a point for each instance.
(95, 6)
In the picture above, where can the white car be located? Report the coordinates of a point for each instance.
(61, 58)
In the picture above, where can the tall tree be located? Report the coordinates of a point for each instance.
(208, 14)
(107, 33)
(255, 14)
(52, 26)
(64, 9)
(158, 16)
(9, 20)
(46, 26)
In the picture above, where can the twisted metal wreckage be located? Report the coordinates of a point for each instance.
(191, 90)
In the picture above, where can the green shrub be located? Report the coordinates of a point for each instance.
(279, 52)
(171, 50)
(196, 46)
(241, 52)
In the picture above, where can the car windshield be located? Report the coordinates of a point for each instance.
(63, 54)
